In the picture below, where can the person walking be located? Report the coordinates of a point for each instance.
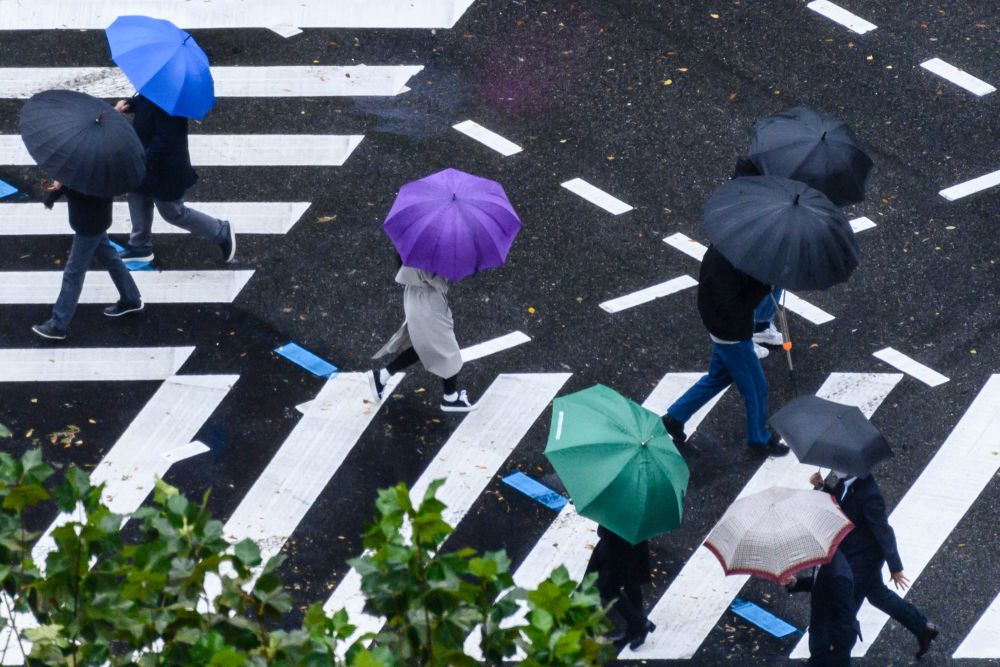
(427, 335)
(869, 546)
(168, 176)
(727, 298)
(622, 568)
(90, 218)
(833, 623)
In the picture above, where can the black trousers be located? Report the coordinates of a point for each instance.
(408, 357)
(868, 583)
(628, 604)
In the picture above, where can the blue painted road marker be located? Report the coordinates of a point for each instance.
(6, 189)
(306, 359)
(536, 490)
(762, 618)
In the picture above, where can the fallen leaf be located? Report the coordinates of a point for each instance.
(326, 218)
(531, 310)
(667, 82)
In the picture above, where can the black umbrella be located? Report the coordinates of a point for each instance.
(832, 435)
(781, 232)
(82, 142)
(820, 151)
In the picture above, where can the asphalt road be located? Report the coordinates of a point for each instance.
(649, 101)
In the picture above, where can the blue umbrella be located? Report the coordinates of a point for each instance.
(164, 63)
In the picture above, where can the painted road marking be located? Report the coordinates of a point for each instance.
(276, 81)
(246, 218)
(958, 77)
(910, 366)
(971, 187)
(795, 304)
(99, 14)
(649, 294)
(493, 346)
(841, 16)
(597, 196)
(237, 150)
(104, 364)
(701, 593)
(23, 287)
(487, 137)
(861, 224)
(937, 501)
(982, 642)
(468, 461)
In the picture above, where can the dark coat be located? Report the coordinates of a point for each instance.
(833, 626)
(88, 215)
(165, 138)
(746, 167)
(727, 297)
(618, 562)
(872, 537)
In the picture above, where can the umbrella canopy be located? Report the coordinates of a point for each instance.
(617, 463)
(164, 63)
(781, 232)
(820, 151)
(83, 142)
(777, 532)
(452, 224)
(832, 435)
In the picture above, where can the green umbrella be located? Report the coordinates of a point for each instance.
(617, 462)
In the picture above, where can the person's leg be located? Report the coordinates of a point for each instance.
(744, 368)
(904, 612)
(140, 210)
(629, 605)
(77, 264)
(450, 385)
(710, 384)
(404, 359)
(764, 313)
(128, 293)
(198, 223)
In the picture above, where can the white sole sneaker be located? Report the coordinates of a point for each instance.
(373, 385)
(761, 352)
(769, 336)
(460, 404)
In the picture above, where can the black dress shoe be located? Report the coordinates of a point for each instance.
(675, 429)
(638, 639)
(772, 447)
(925, 638)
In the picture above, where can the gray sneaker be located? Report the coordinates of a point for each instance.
(228, 245)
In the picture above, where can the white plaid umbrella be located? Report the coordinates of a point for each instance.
(778, 532)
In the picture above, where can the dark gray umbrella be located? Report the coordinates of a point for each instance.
(781, 232)
(820, 151)
(83, 142)
(832, 435)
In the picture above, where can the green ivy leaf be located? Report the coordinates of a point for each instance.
(5, 432)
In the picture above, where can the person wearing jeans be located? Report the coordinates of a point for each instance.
(764, 331)
(90, 218)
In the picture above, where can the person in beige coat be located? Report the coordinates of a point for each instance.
(428, 336)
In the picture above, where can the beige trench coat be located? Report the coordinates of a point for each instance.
(429, 328)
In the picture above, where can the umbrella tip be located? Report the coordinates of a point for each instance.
(823, 138)
(100, 116)
(796, 202)
(454, 196)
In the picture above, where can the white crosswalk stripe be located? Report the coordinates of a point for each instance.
(983, 641)
(23, 287)
(105, 364)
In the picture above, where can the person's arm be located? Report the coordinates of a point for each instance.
(874, 513)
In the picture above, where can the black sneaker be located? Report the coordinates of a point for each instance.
(460, 404)
(378, 389)
(132, 255)
(123, 308)
(49, 330)
(772, 447)
(675, 429)
(228, 246)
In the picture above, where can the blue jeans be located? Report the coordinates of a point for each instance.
(731, 363)
(766, 308)
(140, 208)
(85, 249)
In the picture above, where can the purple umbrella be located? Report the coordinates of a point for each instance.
(452, 224)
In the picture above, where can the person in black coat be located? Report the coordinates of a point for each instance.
(833, 624)
(727, 298)
(869, 546)
(622, 568)
(90, 218)
(168, 175)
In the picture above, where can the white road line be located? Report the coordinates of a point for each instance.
(958, 77)
(595, 195)
(103, 364)
(795, 304)
(493, 346)
(99, 14)
(967, 188)
(861, 224)
(981, 642)
(487, 137)
(910, 366)
(701, 593)
(236, 150)
(23, 287)
(468, 460)
(841, 16)
(246, 218)
(275, 81)
(649, 294)
(939, 498)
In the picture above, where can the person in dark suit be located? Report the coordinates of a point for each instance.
(622, 568)
(871, 544)
(833, 624)
(90, 218)
(168, 175)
